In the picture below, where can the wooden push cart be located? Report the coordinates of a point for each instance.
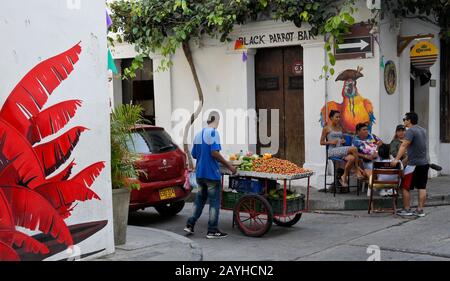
(254, 212)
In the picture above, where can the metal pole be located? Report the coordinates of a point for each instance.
(326, 86)
(284, 198)
(307, 195)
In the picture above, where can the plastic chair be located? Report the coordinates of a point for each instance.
(384, 168)
(348, 139)
(336, 160)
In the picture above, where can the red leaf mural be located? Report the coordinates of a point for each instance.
(64, 174)
(53, 119)
(17, 151)
(62, 194)
(31, 196)
(31, 94)
(54, 153)
(7, 253)
(6, 219)
(89, 174)
(22, 240)
(32, 211)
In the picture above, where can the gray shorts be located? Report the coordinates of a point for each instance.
(340, 151)
(368, 165)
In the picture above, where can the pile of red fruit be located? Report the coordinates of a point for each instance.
(277, 166)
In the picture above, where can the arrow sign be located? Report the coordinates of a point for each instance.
(361, 45)
(354, 47)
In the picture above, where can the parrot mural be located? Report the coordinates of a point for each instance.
(354, 108)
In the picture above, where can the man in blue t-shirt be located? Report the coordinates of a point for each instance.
(206, 151)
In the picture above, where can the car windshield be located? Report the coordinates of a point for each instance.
(150, 141)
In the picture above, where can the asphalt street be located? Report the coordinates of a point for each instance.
(345, 235)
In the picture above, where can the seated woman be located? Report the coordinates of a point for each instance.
(333, 136)
(397, 141)
(367, 145)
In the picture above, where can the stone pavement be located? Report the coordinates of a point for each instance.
(438, 194)
(322, 235)
(151, 244)
(325, 235)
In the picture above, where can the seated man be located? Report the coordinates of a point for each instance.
(367, 145)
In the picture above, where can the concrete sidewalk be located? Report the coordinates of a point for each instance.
(438, 194)
(151, 244)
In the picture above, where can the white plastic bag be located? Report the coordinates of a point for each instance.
(193, 180)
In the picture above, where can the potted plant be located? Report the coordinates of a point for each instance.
(123, 170)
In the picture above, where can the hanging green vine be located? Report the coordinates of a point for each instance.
(162, 26)
(434, 11)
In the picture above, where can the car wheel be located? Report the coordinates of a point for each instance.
(170, 209)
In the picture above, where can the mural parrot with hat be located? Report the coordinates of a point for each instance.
(354, 108)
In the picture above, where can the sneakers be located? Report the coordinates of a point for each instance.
(418, 213)
(383, 193)
(189, 229)
(408, 213)
(210, 235)
(216, 234)
(404, 213)
(435, 167)
(386, 193)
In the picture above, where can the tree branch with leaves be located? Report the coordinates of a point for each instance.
(162, 27)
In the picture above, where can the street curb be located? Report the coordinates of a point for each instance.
(362, 204)
(196, 250)
(340, 203)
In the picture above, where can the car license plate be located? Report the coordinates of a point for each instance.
(167, 193)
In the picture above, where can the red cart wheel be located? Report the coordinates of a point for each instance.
(287, 221)
(253, 215)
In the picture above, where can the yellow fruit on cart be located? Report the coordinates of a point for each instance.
(267, 156)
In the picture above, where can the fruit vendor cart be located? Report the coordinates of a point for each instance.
(254, 210)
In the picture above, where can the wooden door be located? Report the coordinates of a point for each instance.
(294, 134)
(270, 93)
(279, 85)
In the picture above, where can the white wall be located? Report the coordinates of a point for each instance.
(314, 92)
(223, 77)
(444, 159)
(390, 115)
(426, 98)
(36, 30)
(368, 87)
(228, 83)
